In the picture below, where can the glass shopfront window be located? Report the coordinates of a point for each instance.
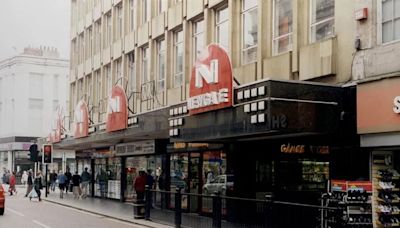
(108, 178)
(150, 164)
(215, 178)
(179, 167)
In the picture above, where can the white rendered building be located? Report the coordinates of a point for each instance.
(33, 89)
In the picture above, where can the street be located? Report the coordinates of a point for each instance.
(20, 212)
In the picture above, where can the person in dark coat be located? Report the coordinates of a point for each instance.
(37, 184)
(30, 183)
(69, 177)
(140, 185)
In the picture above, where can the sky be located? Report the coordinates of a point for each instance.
(35, 23)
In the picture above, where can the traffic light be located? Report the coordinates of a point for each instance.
(33, 153)
(47, 153)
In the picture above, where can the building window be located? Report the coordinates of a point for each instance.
(131, 71)
(132, 19)
(146, 11)
(108, 77)
(97, 36)
(162, 5)
(36, 85)
(198, 38)
(282, 31)
(97, 79)
(81, 43)
(250, 31)
(390, 20)
(118, 71)
(89, 39)
(178, 58)
(107, 38)
(55, 86)
(119, 19)
(145, 64)
(322, 19)
(222, 28)
(161, 64)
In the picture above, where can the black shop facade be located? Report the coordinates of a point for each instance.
(284, 139)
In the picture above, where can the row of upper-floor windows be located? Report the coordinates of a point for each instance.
(321, 26)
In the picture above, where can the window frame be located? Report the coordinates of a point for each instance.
(145, 50)
(196, 35)
(160, 4)
(161, 51)
(176, 42)
(311, 25)
(218, 24)
(380, 22)
(242, 48)
(132, 14)
(132, 71)
(275, 47)
(119, 22)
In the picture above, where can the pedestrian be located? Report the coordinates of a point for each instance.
(139, 185)
(38, 185)
(62, 179)
(69, 177)
(12, 183)
(53, 180)
(30, 183)
(24, 178)
(102, 179)
(85, 182)
(76, 181)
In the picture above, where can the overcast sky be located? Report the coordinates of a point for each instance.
(35, 23)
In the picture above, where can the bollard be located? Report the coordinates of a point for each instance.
(268, 211)
(217, 213)
(178, 208)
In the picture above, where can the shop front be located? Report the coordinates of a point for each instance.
(148, 156)
(280, 138)
(378, 123)
(199, 168)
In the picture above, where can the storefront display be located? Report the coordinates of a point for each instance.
(354, 198)
(386, 195)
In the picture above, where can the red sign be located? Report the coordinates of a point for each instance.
(81, 120)
(338, 185)
(55, 135)
(211, 81)
(377, 106)
(364, 185)
(117, 111)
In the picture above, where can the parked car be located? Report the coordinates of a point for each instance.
(2, 200)
(220, 184)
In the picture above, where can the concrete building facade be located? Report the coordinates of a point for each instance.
(287, 67)
(33, 91)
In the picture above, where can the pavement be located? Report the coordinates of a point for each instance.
(102, 207)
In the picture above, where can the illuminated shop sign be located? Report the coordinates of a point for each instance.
(81, 120)
(117, 111)
(211, 81)
(396, 105)
(301, 149)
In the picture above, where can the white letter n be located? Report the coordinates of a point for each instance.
(209, 75)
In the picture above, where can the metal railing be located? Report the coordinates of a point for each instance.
(183, 209)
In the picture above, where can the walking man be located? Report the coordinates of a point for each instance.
(53, 179)
(85, 182)
(76, 181)
(62, 179)
(30, 183)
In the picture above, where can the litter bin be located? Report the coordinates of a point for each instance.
(138, 209)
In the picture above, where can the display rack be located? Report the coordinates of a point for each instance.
(354, 198)
(358, 204)
(386, 201)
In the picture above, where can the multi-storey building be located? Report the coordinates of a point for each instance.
(141, 94)
(33, 92)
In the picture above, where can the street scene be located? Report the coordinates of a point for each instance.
(200, 113)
